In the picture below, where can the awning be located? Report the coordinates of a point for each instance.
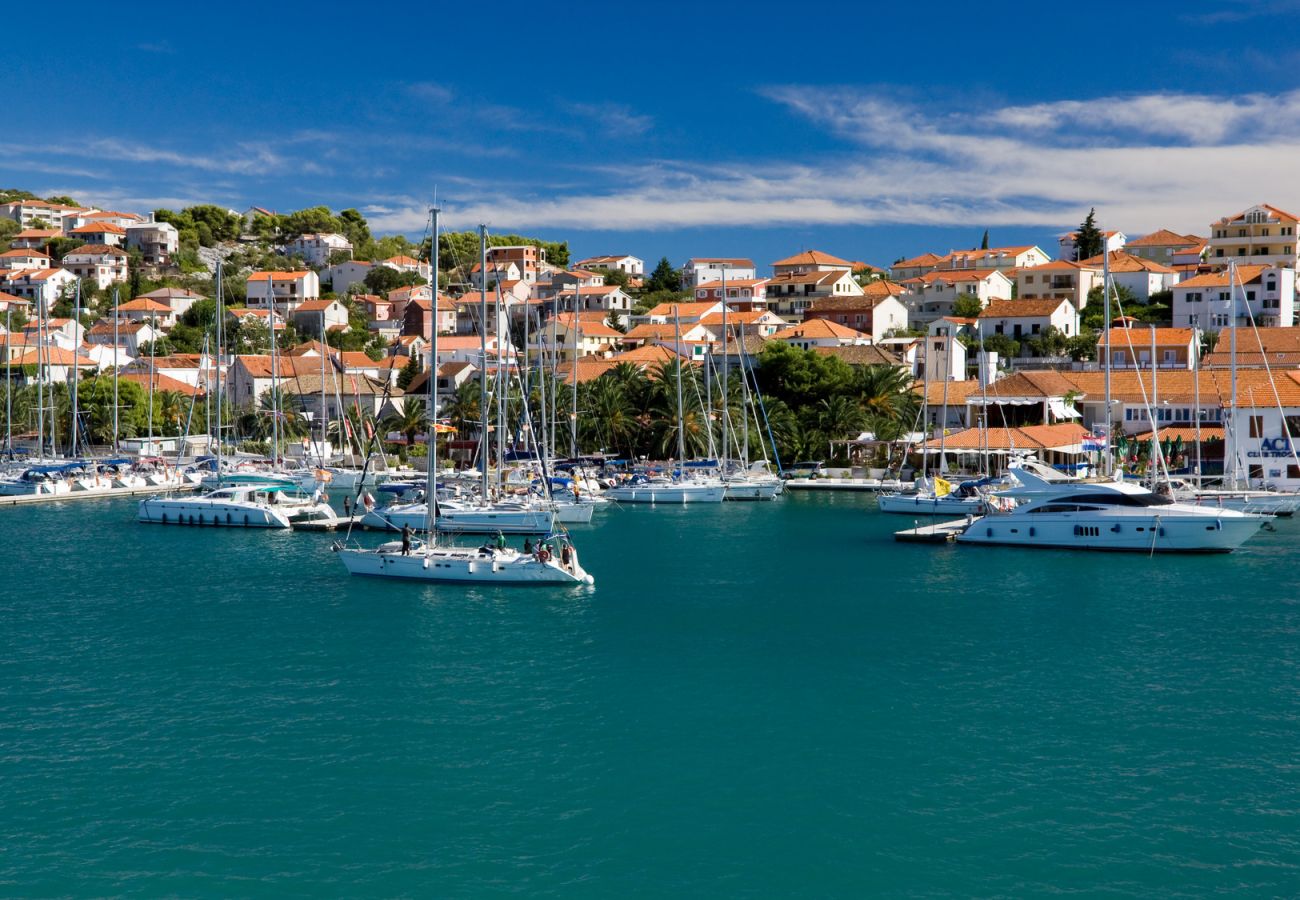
(1060, 410)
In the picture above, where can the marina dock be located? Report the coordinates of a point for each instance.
(938, 533)
(35, 499)
(860, 485)
(338, 523)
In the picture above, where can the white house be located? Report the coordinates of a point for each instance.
(1211, 301)
(1022, 319)
(100, 233)
(311, 313)
(748, 293)
(43, 287)
(941, 353)
(1135, 348)
(29, 213)
(608, 299)
(402, 263)
(593, 337)
(342, 276)
(179, 299)
(22, 258)
(287, 290)
(932, 295)
(1069, 243)
(877, 312)
(142, 309)
(685, 313)
(993, 258)
(701, 269)
(1058, 279)
(127, 333)
(316, 249)
(156, 241)
(630, 265)
(820, 333)
(790, 294)
(1140, 275)
(99, 263)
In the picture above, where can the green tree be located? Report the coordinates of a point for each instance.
(353, 226)
(8, 228)
(967, 306)
(408, 373)
(382, 279)
(410, 420)
(1088, 240)
(664, 277)
(984, 244)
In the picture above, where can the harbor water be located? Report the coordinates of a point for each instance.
(754, 700)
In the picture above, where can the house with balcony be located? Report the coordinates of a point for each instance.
(316, 249)
(1004, 258)
(1058, 279)
(559, 333)
(527, 260)
(1024, 319)
(179, 299)
(629, 265)
(684, 312)
(1140, 275)
(403, 263)
(43, 287)
(100, 233)
(418, 316)
(38, 213)
(1264, 295)
(129, 334)
(156, 241)
(34, 238)
(790, 294)
(608, 299)
(878, 311)
(142, 309)
(760, 322)
(98, 263)
(1260, 236)
(935, 294)
(502, 270)
(701, 269)
(1167, 247)
(739, 294)
(1145, 348)
(22, 258)
(285, 290)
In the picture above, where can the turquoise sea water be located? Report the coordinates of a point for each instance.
(756, 700)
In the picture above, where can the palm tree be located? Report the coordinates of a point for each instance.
(837, 418)
(609, 411)
(412, 419)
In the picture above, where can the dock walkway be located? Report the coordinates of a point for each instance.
(32, 499)
(938, 533)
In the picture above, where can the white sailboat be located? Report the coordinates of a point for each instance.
(489, 564)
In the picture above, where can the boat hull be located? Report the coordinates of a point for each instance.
(468, 520)
(200, 511)
(461, 566)
(918, 505)
(1145, 533)
(667, 493)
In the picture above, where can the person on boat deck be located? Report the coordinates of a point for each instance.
(501, 540)
(528, 546)
(406, 540)
(566, 556)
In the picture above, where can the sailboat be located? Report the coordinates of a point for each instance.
(555, 561)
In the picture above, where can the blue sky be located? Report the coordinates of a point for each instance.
(869, 130)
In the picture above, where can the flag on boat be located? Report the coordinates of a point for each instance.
(942, 487)
(439, 428)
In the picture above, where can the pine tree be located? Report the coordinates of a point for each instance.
(984, 244)
(1088, 240)
(664, 277)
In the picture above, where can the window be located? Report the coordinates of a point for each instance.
(1250, 295)
(1029, 279)
(1034, 330)
(1194, 296)
(1241, 251)
(1218, 252)
(1256, 426)
(1263, 251)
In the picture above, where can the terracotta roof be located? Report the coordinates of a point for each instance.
(845, 304)
(817, 329)
(51, 356)
(1186, 432)
(716, 284)
(1273, 209)
(1029, 307)
(925, 259)
(588, 328)
(99, 228)
(1254, 388)
(277, 276)
(172, 293)
(1245, 275)
(95, 250)
(685, 309)
(648, 354)
(883, 289)
(1065, 436)
(827, 277)
(1120, 338)
(955, 275)
(23, 254)
(813, 258)
(32, 233)
(736, 319)
(1056, 265)
(143, 304)
(162, 382)
(1121, 262)
(1165, 238)
(735, 261)
(662, 332)
(315, 306)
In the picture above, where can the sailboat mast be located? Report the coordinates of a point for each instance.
(573, 412)
(724, 405)
(431, 476)
(40, 382)
(681, 416)
(943, 421)
(483, 322)
(76, 344)
(275, 376)
(1196, 396)
(9, 383)
(502, 382)
(220, 335)
(117, 364)
(1109, 459)
(1232, 350)
(153, 350)
(925, 403)
(324, 410)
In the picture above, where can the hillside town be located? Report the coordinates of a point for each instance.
(1001, 344)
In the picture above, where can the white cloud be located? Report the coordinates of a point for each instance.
(616, 120)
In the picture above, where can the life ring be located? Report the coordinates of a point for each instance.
(543, 556)
(325, 498)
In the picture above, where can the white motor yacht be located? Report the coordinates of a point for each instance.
(932, 498)
(646, 489)
(237, 506)
(1112, 515)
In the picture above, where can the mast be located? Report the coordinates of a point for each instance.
(1232, 349)
(275, 376)
(153, 350)
(117, 364)
(726, 410)
(482, 321)
(324, 414)
(1158, 456)
(76, 324)
(943, 423)
(220, 334)
(431, 476)
(573, 412)
(681, 416)
(925, 403)
(502, 382)
(9, 384)
(40, 382)
(1196, 396)
(1109, 461)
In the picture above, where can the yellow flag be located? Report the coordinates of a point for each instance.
(942, 487)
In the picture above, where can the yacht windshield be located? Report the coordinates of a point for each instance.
(1118, 499)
